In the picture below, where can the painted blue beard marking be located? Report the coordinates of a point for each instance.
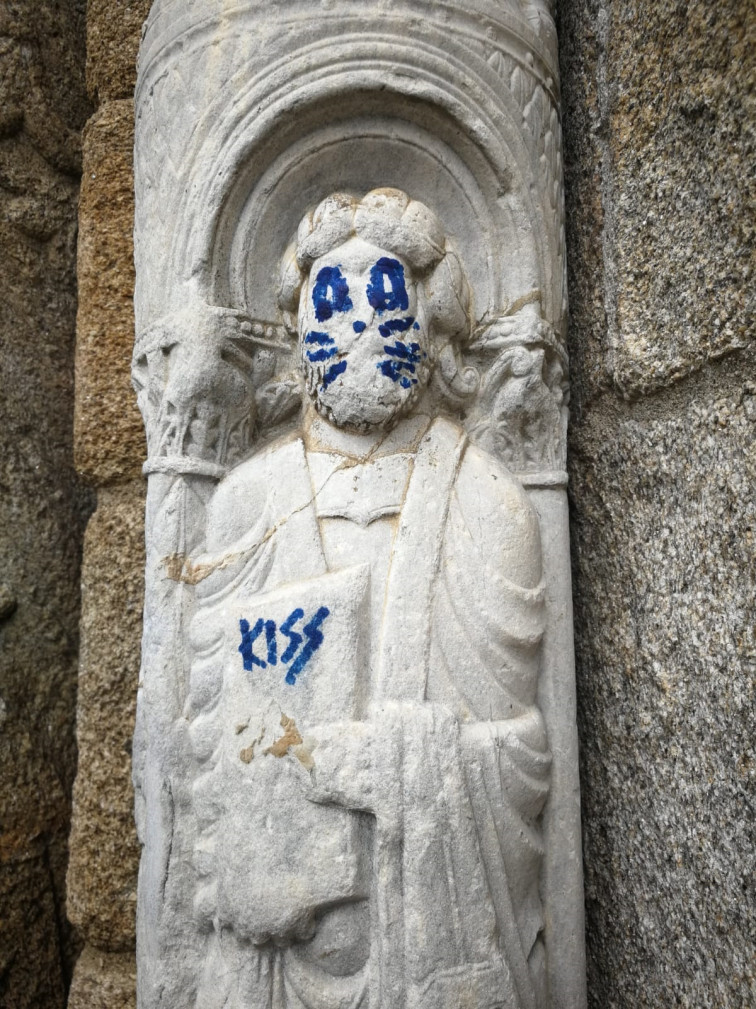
(326, 349)
(378, 297)
(330, 279)
(326, 346)
(322, 355)
(396, 326)
(402, 358)
(321, 339)
(333, 373)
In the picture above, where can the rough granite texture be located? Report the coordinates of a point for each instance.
(103, 981)
(662, 494)
(583, 118)
(682, 145)
(110, 449)
(104, 849)
(108, 430)
(114, 28)
(663, 543)
(43, 106)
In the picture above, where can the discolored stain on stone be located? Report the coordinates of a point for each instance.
(290, 737)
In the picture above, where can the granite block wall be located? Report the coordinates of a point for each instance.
(659, 120)
(43, 506)
(109, 450)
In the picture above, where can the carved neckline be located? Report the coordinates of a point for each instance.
(320, 436)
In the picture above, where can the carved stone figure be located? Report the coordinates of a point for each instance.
(355, 763)
(371, 759)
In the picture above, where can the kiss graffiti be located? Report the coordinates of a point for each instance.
(310, 640)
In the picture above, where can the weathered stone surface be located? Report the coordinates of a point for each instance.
(109, 441)
(583, 118)
(35, 969)
(42, 510)
(682, 144)
(666, 649)
(103, 981)
(660, 124)
(384, 243)
(113, 31)
(104, 851)
(661, 501)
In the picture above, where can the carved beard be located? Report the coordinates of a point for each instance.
(362, 397)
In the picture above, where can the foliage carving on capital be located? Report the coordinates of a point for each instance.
(205, 383)
(520, 414)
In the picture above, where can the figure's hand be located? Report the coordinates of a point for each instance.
(339, 759)
(525, 326)
(358, 764)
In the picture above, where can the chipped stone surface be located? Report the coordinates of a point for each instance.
(681, 142)
(103, 981)
(109, 439)
(42, 509)
(104, 852)
(659, 115)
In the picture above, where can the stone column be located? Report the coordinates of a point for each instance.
(426, 137)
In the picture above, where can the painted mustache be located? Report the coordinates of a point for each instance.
(324, 362)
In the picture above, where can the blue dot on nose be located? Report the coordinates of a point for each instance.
(358, 327)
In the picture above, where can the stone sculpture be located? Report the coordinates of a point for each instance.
(367, 738)
(355, 770)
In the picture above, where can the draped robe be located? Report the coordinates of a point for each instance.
(409, 765)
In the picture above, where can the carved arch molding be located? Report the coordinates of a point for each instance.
(249, 114)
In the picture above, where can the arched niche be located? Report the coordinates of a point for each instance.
(363, 112)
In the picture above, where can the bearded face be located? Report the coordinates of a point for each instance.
(363, 338)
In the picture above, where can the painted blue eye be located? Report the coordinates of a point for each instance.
(396, 297)
(330, 293)
(358, 327)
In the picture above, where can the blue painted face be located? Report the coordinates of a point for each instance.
(363, 337)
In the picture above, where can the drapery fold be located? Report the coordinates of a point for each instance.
(450, 759)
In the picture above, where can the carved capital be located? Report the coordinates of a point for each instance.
(521, 412)
(200, 377)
